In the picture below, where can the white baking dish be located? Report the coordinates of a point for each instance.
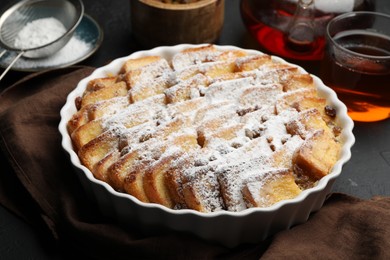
(224, 227)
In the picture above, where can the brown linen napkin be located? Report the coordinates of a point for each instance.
(38, 184)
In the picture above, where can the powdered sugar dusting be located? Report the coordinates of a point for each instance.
(228, 132)
(75, 49)
(39, 33)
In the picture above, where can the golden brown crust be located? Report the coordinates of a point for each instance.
(206, 130)
(100, 83)
(317, 155)
(273, 187)
(154, 183)
(118, 89)
(91, 153)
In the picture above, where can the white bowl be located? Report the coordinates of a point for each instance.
(224, 227)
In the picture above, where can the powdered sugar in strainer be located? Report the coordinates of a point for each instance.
(38, 28)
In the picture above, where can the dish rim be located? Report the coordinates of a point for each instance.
(347, 136)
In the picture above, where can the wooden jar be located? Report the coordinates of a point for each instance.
(155, 23)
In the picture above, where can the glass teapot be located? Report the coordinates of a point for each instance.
(295, 29)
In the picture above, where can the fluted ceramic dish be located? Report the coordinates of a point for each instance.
(224, 227)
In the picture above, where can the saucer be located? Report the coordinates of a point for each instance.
(86, 39)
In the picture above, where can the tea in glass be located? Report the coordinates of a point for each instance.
(357, 64)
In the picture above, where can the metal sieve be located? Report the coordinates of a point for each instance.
(14, 19)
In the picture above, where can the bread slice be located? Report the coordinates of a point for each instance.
(100, 83)
(115, 90)
(269, 188)
(125, 174)
(252, 62)
(148, 80)
(282, 158)
(297, 81)
(307, 122)
(292, 100)
(187, 89)
(260, 95)
(231, 179)
(80, 118)
(230, 55)
(133, 115)
(134, 64)
(100, 170)
(224, 134)
(317, 155)
(97, 110)
(173, 179)
(188, 107)
(201, 189)
(194, 56)
(91, 153)
(86, 133)
(154, 181)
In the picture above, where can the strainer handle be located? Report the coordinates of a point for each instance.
(11, 64)
(2, 53)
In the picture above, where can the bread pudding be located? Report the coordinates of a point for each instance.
(206, 129)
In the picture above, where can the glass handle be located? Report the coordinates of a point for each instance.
(300, 35)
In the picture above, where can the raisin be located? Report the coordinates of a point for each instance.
(77, 102)
(337, 131)
(330, 111)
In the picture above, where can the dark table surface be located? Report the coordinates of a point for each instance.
(367, 174)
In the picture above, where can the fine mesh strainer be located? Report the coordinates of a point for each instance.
(15, 19)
